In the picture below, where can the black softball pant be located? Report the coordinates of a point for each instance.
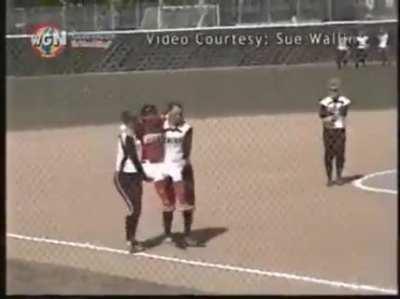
(130, 187)
(335, 146)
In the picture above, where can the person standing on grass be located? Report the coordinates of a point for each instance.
(333, 111)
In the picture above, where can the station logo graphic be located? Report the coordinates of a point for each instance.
(48, 41)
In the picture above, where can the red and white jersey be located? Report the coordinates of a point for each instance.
(151, 135)
(383, 40)
(174, 142)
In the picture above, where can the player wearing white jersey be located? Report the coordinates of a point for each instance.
(342, 50)
(333, 112)
(383, 40)
(128, 177)
(177, 173)
(362, 45)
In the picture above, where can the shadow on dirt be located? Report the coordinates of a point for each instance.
(202, 237)
(349, 179)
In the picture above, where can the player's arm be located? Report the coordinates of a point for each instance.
(131, 152)
(187, 144)
(324, 113)
(345, 108)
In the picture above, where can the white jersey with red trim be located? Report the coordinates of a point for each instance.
(174, 142)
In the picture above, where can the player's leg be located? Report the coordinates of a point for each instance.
(130, 188)
(328, 154)
(340, 155)
(136, 193)
(168, 211)
(364, 57)
(384, 56)
(346, 57)
(183, 183)
(357, 58)
(164, 190)
(339, 58)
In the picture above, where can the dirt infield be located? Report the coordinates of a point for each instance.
(262, 204)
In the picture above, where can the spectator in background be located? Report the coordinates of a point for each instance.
(362, 46)
(383, 40)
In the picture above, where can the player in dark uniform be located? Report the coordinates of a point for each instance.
(129, 176)
(333, 111)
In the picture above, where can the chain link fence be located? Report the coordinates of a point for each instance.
(95, 15)
(260, 186)
(215, 48)
(268, 223)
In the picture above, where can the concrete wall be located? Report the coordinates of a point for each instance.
(55, 101)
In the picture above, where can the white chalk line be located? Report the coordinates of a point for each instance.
(338, 284)
(360, 183)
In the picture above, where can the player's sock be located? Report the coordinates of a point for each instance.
(187, 222)
(133, 227)
(167, 222)
(128, 227)
(328, 167)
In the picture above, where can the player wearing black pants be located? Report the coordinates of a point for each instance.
(333, 112)
(128, 178)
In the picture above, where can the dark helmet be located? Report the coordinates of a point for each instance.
(127, 117)
(148, 109)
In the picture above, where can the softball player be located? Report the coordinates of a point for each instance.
(383, 39)
(333, 112)
(150, 132)
(361, 48)
(128, 177)
(177, 186)
(342, 50)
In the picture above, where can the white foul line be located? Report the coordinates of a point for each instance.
(287, 276)
(360, 182)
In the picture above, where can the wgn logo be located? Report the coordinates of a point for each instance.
(48, 41)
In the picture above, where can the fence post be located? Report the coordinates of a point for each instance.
(95, 15)
(137, 13)
(159, 20)
(269, 11)
(63, 14)
(329, 10)
(240, 11)
(113, 14)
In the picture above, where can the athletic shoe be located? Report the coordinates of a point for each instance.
(188, 241)
(168, 239)
(135, 247)
(339, 181)
(330, 183)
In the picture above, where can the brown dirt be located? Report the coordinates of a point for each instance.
(261, 197)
